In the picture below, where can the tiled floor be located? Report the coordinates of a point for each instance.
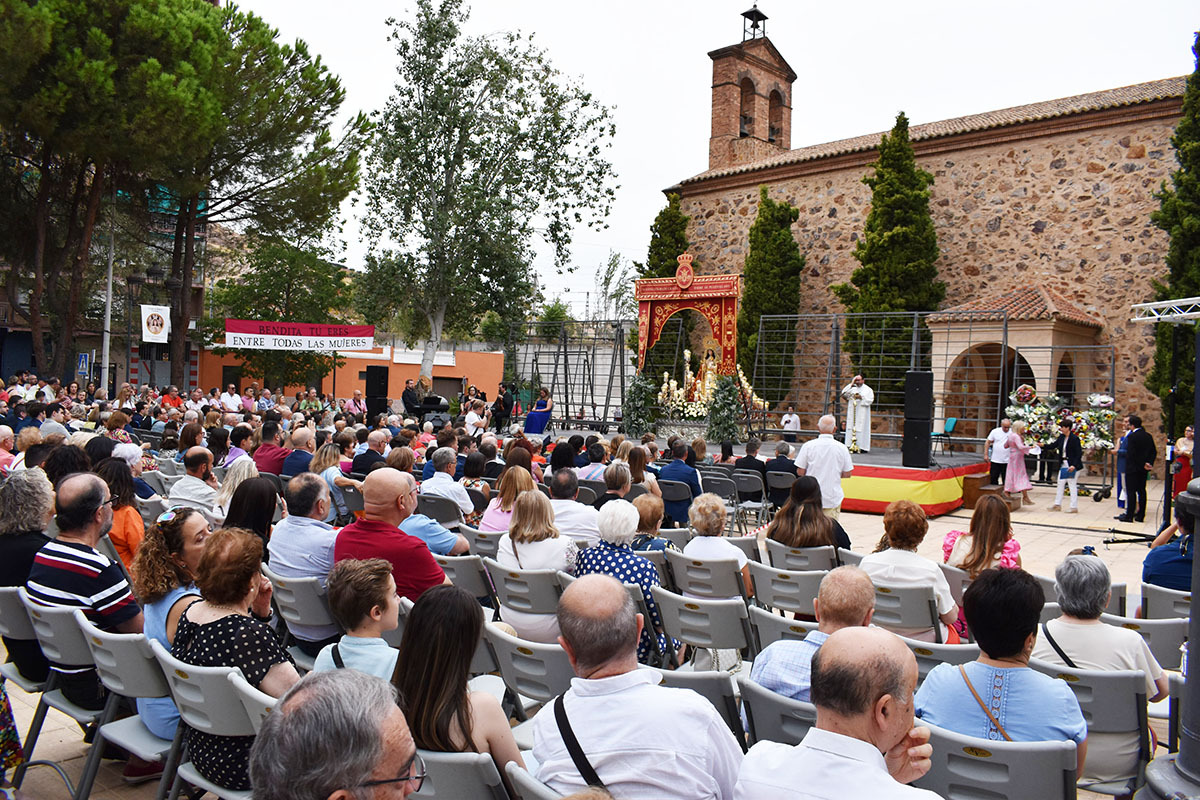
(1045, 536)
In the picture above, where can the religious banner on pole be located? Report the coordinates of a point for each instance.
(304, 336)
(156, 323)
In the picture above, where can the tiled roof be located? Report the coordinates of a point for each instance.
(1094, 101)
(1030, 303)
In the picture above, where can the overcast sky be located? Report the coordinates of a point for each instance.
(858, 62)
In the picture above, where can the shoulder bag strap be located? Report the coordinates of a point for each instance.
(581, 762)
(1066, 659)
(982, 705)
(337, 658)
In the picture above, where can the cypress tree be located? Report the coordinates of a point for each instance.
(771, 281)
(668, 241)
(897, 251)
(1179, 216)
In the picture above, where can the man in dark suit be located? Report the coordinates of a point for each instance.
(678, 470)
(502, 408)
(372, 457)
(1069, 447)
(782, 462)
(750, 463)
(410, 400)
(1140, 453)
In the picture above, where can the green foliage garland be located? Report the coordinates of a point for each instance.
(724, 411)
(637, 411)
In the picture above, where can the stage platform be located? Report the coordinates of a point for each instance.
(879, 478)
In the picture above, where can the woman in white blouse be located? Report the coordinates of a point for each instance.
(532, 542)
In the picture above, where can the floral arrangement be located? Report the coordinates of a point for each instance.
(1025, 395)
(1043, 414)
(692, 399)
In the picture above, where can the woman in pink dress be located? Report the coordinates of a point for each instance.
(1017, 477)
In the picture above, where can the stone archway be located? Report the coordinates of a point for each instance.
(714, 297)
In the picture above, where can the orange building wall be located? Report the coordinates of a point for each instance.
(482, 369)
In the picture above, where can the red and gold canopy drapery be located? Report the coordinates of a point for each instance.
(714, 296)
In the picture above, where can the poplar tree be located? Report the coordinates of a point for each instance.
(898, 252)
(771, 281)
(1179, 216)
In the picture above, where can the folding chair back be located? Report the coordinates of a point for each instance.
(769, 627)
(352, 498)
(659, 559)
(168, 466)
(780, 483)
(801, 559)
(57, 632)
(966, 767)
(467, 573)
(715, 577)
(258, 704)
(483, 543)
(526, 787)
(124, 661)
(533, 591)
(676, 536)
(749, 482)
(14, 619)
(930, 654)
(906, 607)
(958, 579)
(748, 545)
(155, 479)
(849, 557)
(785, 590)
(715, 687)
(300, 600)
(636, 490)
(586, 495)
(675, 492)
(721, 485)
(150, 510)
(535, 670)
(773, 717)
(275, 481)
(443, 509)
(716, 624)
(1162, 603)
(1163, 636)
(206, 699)
(598, 487)
(455, 775)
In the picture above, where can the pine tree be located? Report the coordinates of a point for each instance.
(772, 280)
(1179, 216)
(898, 253)
(723, 411)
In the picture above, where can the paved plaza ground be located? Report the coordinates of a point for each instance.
(1045, 537)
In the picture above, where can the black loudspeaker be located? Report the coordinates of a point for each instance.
(918, 395)
(916, 447)
(377, 405)
(438, 418)
(377, 382)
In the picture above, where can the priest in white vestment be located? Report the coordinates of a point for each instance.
(858, 414)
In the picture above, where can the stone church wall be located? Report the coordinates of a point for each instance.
(1069, 210)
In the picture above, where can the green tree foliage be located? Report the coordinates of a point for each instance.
(723, 411)
(280, 282)
(555, 311)
(668, 241)
(1179, 216)
(771, 277)
(276, 165)
(639, 407)
(482, 145)
(898, 252)
(94, 95)
(614, 290)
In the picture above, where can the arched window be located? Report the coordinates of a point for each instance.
(775, 128)
(746, 122)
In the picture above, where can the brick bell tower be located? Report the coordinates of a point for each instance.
(751, 98)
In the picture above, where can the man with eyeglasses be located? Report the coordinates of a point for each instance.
(69, 572)
(335, 732)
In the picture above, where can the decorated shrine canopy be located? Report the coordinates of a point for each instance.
(248, 334)
(713, 296)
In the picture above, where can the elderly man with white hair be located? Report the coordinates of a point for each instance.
(8, 443)
(614, 556)
(1079, 640)
(827, 460)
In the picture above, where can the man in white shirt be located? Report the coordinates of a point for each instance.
(230, 399)
(571, 517)
(827, 460)
(864, 744)
(442, 483)
(997, 453)
(641, 739)
(195, 401)
(198, 488)
(790, 424)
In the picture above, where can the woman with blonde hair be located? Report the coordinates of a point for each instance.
(242, 470)
(402, 458)
(614, 447)
(212, 420)
(700, 448)
(1016, 477)
(989, 542)
(622, 454)
(327, 464)
(532, 542)
(639, 475)
(513, 483)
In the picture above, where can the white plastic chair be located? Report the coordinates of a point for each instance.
(1163, 636)
(717, 688)
(527, 787)
(1162, 603)
(713, 624)
(849, 557)
(930, 654)
(531, 670)
(483, 543)
(770, 627)
(15, 624)
(208, 703)
(151, 509)
(258, 704)
(531, 591)
(708, 577)
(967, 767)
(468, 573)
(801, 559)
(772, 717)
(460, 775)
(785, 590)
(907, 607)
(127, 668)
(300, 601)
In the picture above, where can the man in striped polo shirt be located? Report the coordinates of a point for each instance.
(68, 572)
